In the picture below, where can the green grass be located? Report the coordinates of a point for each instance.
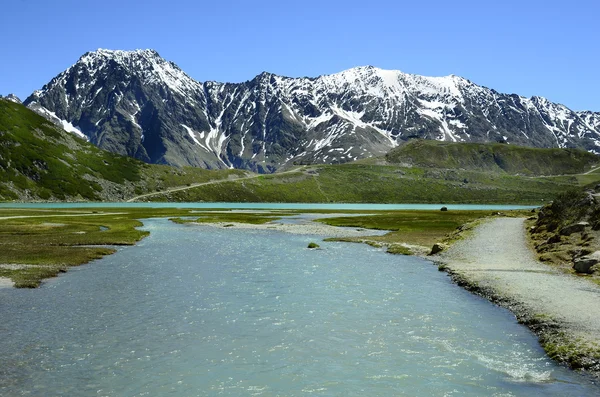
(237, 217)
(589, 179)
(492, 157)
(156, 178)
(420, 228)
(364, 183)
(576, 353)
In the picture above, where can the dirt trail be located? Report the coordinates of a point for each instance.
(193, 185)
(496, 262)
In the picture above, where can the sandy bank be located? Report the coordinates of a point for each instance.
(6, 282)
(563, 310)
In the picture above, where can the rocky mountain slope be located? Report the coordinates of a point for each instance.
(39, 161)
(138, 104)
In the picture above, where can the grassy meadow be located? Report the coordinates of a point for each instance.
(366, 183)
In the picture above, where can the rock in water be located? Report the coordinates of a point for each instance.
(438, 247)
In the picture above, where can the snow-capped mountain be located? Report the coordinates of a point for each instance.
(12, 98)
(138, 104)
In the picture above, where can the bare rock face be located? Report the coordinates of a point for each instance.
(138, 104)
(586, 263)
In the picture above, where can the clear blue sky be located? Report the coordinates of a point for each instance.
(530, 47)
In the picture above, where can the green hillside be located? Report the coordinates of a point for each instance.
(360, 183)
(492, 157)
(40, 161)
(417, 172)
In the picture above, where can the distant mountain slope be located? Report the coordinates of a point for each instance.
(420, 171)
(39, 161)
(138, 104)
(492, 158)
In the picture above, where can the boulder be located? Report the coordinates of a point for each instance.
(437, 247)
(444, 209)
(554, 239)
(574, 228)
(585, 263)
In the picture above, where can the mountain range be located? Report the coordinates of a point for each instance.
(42, 161)
(137, 104)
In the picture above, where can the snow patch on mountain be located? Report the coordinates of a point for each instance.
(66, 125)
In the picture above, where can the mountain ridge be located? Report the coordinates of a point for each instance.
(138, 104)
(39, 161)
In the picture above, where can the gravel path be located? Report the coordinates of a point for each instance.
(495, 259)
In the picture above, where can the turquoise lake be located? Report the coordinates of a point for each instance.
(201, 311)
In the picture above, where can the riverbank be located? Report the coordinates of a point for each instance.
(494, 261)
(6, 282)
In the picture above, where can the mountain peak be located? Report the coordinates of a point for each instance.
(131, 58)
(147, 64)
(120, 54)
(12, 98)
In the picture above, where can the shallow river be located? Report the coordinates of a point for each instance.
(201, 311)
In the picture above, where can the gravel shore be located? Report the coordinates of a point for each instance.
(6, 282)
(319, 229)
(563, 310)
